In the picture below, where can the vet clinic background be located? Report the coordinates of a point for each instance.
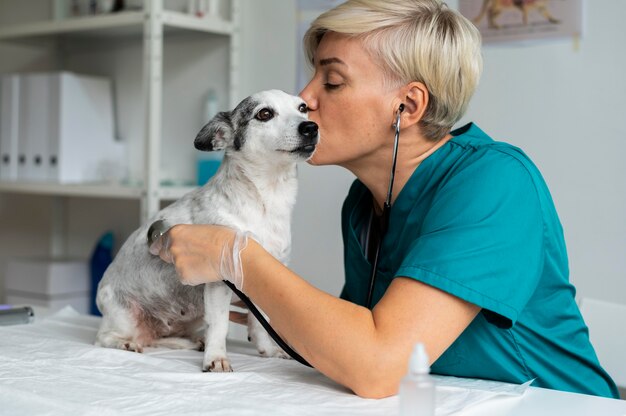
(563, 103)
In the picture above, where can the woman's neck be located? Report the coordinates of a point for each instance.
(374, 169)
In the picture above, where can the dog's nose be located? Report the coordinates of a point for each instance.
(308, 129)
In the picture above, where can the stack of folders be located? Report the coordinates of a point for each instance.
(58, 127)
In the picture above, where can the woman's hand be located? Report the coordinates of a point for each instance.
(203, 253)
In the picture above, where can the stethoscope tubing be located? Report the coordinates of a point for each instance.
(384, 219)
(257, 314)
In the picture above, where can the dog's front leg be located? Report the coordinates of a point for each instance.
(264, 343)
(216, 309)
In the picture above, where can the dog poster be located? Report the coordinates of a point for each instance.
(523, 20)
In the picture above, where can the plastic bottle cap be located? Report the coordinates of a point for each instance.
(419, 363)
(107, 240)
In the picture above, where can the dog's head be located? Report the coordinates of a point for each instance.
(267, 122)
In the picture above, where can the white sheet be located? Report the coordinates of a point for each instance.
(52, 368)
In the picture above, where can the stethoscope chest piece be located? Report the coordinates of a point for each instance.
(156, 230)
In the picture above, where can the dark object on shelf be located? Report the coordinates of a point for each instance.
(118, 6)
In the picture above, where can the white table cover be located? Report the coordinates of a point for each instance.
(53, 368)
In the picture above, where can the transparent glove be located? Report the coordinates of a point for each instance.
(230, 261)
(203, 253)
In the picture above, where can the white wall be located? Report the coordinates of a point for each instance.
(566, 109)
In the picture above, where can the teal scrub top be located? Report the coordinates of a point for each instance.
(476, 220)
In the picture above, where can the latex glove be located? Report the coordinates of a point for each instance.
(231, 268)
(203, 253)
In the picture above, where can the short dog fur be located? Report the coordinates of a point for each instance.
(141, 298)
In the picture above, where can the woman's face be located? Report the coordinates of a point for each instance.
(347, 98)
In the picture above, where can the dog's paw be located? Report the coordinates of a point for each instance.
(266, 346)
(274, 352)
(108, 340)
(217, 365)
(199, 344)
(131, 346)
(282, 354)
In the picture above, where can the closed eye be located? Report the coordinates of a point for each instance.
(264, 114)
(331, 87)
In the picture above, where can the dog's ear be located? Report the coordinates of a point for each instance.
(216, 134)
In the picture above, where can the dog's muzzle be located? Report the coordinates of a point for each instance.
(310, 135)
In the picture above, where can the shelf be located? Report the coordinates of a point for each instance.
(125, 23)
(92, 190)
(171, 193)
(70, 42)
(208, 24)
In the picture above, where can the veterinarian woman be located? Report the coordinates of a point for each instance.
(473, 263)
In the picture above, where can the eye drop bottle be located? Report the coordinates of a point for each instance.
(417, 388)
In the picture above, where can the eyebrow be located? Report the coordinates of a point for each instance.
(332, 60)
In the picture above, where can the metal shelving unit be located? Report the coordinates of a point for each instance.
(152, 24)
(65, 190)
(119, 23)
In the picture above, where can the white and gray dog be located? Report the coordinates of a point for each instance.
(142, 300)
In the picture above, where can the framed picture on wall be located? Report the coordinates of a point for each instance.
(523, 20)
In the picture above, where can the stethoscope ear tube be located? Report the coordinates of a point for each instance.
(384, 220)
(394, 159)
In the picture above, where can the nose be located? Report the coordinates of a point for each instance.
(308, 129)
(307, 94)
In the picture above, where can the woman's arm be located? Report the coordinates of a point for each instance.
(366, 351)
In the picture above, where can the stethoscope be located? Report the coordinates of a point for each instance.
(160, 227)
(384, 218)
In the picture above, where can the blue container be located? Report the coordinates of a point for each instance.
(207, 166)
(101, 257)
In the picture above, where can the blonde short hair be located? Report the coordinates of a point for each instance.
(413, 40)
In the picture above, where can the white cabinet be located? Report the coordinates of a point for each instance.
(152, 56)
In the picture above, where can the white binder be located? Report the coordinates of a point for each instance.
(9, 126)
(66, 129)
(81, 141)
(36, 102)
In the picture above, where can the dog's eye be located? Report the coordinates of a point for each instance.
(303, 108)
(264, 114)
